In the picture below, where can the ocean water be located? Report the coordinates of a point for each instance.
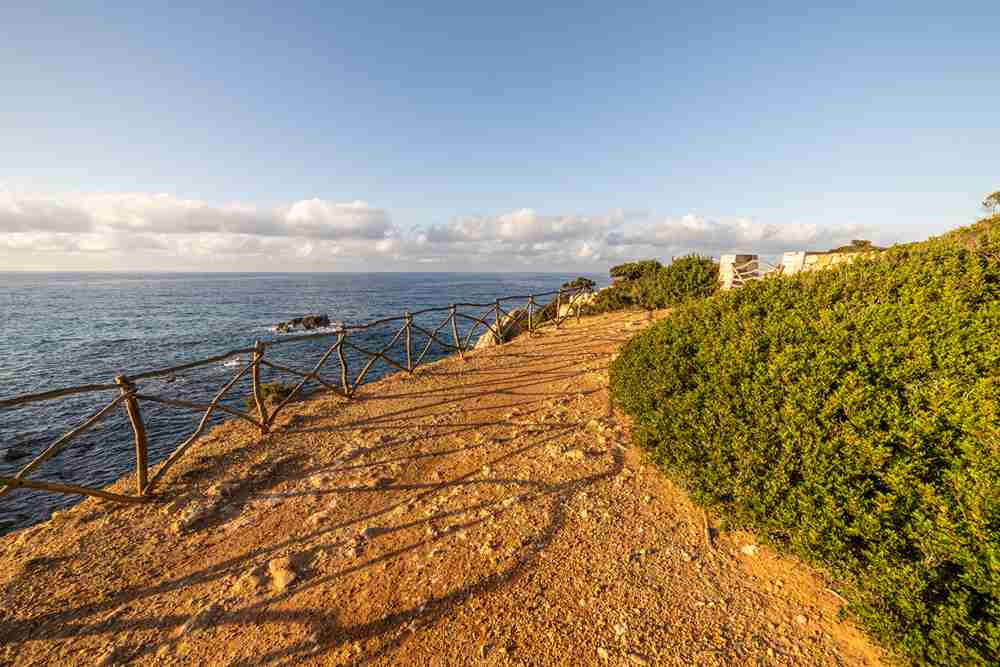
(65, 329)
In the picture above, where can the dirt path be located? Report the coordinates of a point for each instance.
(487, 512)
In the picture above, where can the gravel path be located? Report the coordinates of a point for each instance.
(486, 512)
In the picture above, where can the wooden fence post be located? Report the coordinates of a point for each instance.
(531, 311)
(576, 302)
(409, 343)
(499, 334)
(139, 429)
(341, 337)
(258, 393)
(558, 306)
(454, 332)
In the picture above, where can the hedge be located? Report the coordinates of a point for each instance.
(852, 416)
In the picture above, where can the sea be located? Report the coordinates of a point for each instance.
(67, 329)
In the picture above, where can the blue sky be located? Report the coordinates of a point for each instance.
(508, 136)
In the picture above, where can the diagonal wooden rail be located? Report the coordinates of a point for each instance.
(492, 318)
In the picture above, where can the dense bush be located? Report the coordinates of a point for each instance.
(853, 416)
(649, 284)
(683, 279)
(615, 297)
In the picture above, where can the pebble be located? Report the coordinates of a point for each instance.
(801, 619)
(749, 549)
(221, 490)
(320, 517)
(282, 573)
(602, 653)
(194, 513)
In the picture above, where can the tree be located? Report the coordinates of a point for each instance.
(635, 270)
(580, 283)
(992, 202)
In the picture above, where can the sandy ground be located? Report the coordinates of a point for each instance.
(486, 512)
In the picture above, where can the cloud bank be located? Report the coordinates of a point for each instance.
(163, 231)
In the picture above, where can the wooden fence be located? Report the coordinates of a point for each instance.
(496, 320)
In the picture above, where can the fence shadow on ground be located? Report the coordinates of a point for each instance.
(525, 389)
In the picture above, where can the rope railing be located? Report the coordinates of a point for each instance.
(495, 321)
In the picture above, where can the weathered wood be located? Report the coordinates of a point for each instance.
(438, 309)
(433, 334)
(130, 398)
(364, 370)
(454, 333)
(186, 367)
(59, 444)
(432, 338)
(198, 407)
(183, 447)
(258, 392)
(55, 393)
(409, 342)
(341, 340)
(476, 324)
(387, 359)
(301, 374)
(13, 482)
(302, 382)
(138, 430)
(498, 335)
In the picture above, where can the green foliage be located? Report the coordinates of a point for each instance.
(580, 283)
(651, 285)
(615, 297)
(271, 392)
(857, 245)
(634, 270)
(991, 202)
(853, 416)
(685, 278)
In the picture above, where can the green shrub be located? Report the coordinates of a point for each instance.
(615, 297)
(634, 270)
(685, 278)
(857, 245)
(853, 416)
(581, 282)
(271, 392)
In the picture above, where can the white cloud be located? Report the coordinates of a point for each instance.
(694, 233)
(523, 225)
(169, 214)
(166, 231)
